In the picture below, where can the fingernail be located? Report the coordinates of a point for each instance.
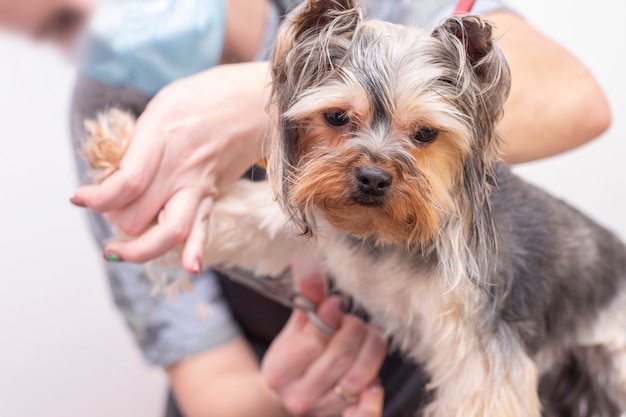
(112, 257)
(77, 202)
(197, 267)
(376, 387)
(346, 303)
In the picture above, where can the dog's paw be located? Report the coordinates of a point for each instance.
(107, 139)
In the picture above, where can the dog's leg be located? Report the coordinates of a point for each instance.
(497, 380)
(247, 229)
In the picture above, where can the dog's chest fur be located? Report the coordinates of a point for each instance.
(405, 297)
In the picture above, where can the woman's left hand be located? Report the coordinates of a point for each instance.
(196, 136)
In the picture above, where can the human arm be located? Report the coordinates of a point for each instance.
(224, 381)
(555, 103)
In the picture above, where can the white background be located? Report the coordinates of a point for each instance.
(64, 350)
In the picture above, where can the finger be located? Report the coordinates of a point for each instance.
(308, 278)
(298, 345)
(367, 364)
(194, 247)
(370, 404)
(137, 168)
(173, 228)
(312, 286)
(336, 360)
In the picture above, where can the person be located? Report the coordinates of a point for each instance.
(203, 131)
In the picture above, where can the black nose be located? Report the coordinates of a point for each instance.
(373, 181)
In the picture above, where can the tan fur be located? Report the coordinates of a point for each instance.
(326, 178)
(107, 139)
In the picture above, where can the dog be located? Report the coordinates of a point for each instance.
(386, 158)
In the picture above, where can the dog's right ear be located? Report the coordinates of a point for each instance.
(312, 39)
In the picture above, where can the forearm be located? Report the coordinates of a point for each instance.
(555, 104)
(223, 382)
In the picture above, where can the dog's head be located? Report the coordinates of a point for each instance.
(386, 131)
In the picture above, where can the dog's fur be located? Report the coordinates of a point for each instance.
(386, 156)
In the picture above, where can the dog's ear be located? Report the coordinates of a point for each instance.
(483, 81)
(313, 39)
(469, 39)
(317, 14)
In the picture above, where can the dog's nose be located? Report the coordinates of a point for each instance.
(373, 181)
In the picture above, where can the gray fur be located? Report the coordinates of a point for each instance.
(556, 267)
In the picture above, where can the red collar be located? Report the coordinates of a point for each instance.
(464, 6)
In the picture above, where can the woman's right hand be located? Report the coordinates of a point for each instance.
(320, 375)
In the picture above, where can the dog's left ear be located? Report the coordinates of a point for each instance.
(483, 82)
(469, 38)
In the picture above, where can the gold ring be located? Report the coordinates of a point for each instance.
(344, 395)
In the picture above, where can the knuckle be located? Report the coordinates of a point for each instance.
(133, 184)
(368, 411)
(356, 380)
(342, 360)
(306, 346)
(130, 228)
(122, 227)
(178, 231)
(353, 325)
(379, 345)
(356, 321)
(297, 404)
(311, 347)
(274, 379)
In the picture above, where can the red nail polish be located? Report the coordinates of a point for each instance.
(376, 387)
(197, 267)
(77, 202)
(112, 257)
(346, 303)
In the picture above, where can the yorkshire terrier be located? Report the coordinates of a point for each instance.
(386, 156)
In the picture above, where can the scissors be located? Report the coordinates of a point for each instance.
(279, 289)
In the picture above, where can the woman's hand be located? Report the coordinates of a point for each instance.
(321, 375)
(196, 136)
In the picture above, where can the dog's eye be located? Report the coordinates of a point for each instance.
(426, 135)
(336, 118)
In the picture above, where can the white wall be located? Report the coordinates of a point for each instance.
(64, 351)
(592, 177)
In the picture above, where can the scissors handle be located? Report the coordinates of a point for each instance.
(279, 289)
